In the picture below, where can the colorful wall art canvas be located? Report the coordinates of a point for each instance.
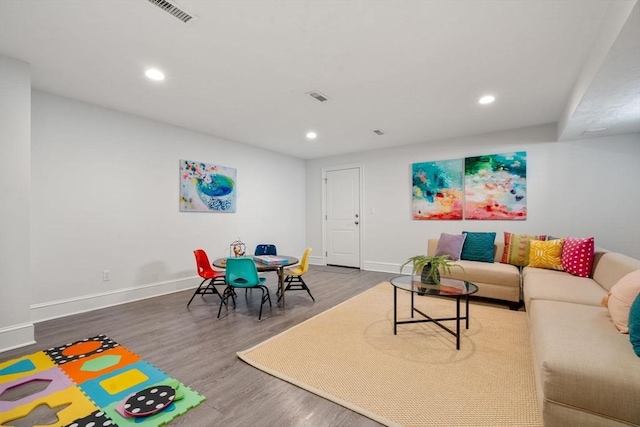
(437, 190)
(496, 186)
(207, 188)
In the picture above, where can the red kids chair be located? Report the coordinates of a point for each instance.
(208, 274)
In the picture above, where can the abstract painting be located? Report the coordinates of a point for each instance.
(207, 188)
(496, 186)
(437, 190)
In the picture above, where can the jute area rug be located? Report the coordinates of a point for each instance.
(349, 355)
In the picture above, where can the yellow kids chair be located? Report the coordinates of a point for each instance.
(294, 279)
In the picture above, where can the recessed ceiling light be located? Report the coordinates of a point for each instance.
(487, 99)
(312, 135)
(154, 74)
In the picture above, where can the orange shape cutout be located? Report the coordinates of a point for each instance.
(82, 348)
(75, 369)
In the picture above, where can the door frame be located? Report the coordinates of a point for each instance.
(326, 169)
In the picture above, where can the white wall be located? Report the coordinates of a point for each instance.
(16, 328)
(105, 197)
(579, 188)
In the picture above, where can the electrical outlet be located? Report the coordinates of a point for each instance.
(106, 275)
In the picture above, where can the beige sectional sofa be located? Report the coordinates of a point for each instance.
(494, 280)
(587, 373)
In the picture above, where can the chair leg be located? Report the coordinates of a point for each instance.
(263, 299)
(210, 288)
(196, 292)
(204, 290)
(306, 288)
(228, 292)
(287, 281)
(296, 283)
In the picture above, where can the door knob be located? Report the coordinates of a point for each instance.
(357, 223)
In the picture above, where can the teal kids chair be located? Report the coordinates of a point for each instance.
(242, 273)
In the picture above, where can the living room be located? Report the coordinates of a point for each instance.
(88, 189)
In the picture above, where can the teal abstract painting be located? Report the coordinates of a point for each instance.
(206, 187)
(437, 190)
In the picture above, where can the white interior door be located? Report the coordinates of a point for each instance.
(342, 230)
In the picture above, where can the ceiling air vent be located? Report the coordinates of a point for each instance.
(378, 132)
(590, 131)
(317, 95)
(172, 9)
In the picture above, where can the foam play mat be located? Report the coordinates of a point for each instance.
(92, 382)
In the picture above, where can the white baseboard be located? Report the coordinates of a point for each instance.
(16, 336)
(61, 308)
(385, 267)
(66, 307)
(316, 260)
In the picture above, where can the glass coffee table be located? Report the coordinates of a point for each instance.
(447, 287)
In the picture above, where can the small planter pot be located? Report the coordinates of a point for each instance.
(429, 280)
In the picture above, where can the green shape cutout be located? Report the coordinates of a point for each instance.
(189, 400)
(100, 363)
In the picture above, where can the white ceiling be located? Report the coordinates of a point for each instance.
(414, 69)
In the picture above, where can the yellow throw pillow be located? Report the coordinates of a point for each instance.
(546, 254)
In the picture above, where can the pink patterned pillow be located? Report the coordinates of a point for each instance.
(577, 256)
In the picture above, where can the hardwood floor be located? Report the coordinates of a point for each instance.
(200, 351)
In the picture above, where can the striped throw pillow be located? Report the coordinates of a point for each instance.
(516, 248)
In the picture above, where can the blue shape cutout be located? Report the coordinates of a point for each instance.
(25, 365)
(102, 398)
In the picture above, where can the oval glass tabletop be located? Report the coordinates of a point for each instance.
(447, 286)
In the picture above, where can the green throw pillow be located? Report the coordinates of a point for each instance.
(478, 246)
(634, 325)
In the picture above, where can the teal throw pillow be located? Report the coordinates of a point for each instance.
(478, 246)
(634, 325)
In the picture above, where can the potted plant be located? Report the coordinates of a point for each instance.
(429, 267)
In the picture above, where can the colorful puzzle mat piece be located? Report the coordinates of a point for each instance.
(188, 399)
(104, 374)
(24, 366)
(95, 419)
(56, 379)
(99, 364)
(79, 406)
(118, 384)
(80, 349)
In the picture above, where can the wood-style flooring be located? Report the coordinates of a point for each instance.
(199, 350)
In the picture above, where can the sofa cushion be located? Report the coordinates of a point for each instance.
(478, 246)
(577, 256)
(516, 248)
(621, 297)
(582, 362)
(634, 325)
(450, 244)
(546, 254)
(482, 272)
(539, 283)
